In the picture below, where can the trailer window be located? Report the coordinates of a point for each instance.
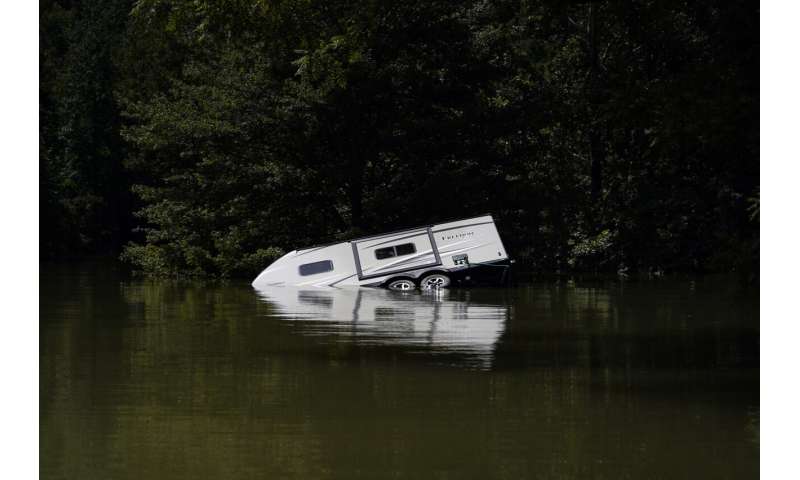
(405, 249)
(316, 267)
(395, 251)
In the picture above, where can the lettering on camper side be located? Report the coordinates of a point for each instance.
(457, 235)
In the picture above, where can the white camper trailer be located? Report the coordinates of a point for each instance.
(429, 256)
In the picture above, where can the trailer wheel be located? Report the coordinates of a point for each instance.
(435, 280)
(401, 284)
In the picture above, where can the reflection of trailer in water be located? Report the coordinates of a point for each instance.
(379, 316)
(428, 256)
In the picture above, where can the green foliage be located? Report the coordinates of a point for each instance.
(592, 252)
(755, 206)
(602, 135)
(84, 193)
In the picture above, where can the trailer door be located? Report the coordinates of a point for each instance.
(395, 253)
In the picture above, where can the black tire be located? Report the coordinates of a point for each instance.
(401, 284)
(435, 280)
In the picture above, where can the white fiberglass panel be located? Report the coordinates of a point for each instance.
(397, 252)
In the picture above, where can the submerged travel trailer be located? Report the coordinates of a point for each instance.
(431, 256)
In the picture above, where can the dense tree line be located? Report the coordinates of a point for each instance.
(210, 136)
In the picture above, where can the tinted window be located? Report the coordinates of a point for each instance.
(316, 267)
(405, 249)
(395, 251)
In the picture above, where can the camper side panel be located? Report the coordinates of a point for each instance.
(395, 253)
(477, 238)
(320, 266)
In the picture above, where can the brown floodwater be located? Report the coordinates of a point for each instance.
(603, 379)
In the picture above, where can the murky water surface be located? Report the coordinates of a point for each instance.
(144, 378)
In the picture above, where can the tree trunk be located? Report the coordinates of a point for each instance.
(598, 156)
(596, 148)
(356, 202)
